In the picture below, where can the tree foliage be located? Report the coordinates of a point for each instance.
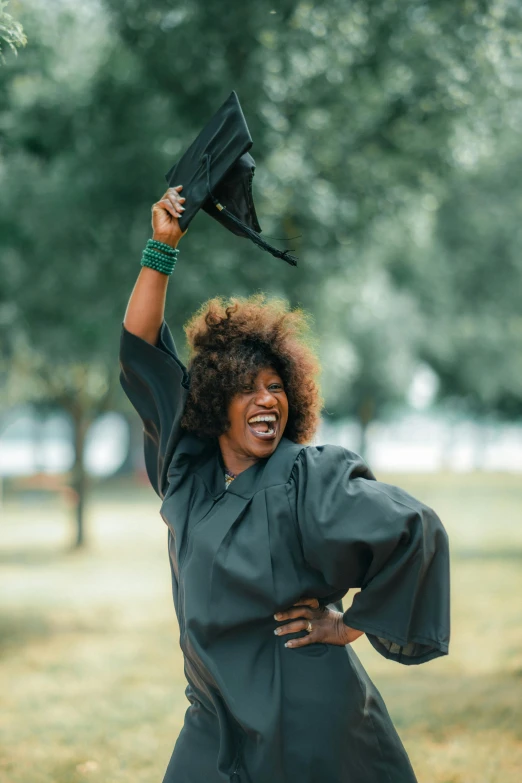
(11, 32)
(468, 282)
(358, 111)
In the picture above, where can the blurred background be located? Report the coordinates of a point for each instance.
(387, 138)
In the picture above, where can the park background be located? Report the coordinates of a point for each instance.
(387, 138)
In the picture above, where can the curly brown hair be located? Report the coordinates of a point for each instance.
(230, 341)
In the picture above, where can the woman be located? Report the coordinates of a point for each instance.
(266, 535)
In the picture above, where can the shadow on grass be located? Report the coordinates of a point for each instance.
(440, 706)
(29, 628)
(19, 631)
(35, 557)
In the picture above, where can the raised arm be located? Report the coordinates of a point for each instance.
(146, 307)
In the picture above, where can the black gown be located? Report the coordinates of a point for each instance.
(308, 521)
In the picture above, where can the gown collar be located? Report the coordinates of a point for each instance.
(265, 473)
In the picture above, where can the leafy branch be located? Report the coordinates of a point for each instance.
(11, 31)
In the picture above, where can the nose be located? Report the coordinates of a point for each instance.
(265, 398)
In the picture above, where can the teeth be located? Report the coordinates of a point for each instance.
(262, 417)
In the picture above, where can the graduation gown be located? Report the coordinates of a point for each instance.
(308, 521)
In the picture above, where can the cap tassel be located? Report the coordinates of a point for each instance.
(249, 232)
(259, 241)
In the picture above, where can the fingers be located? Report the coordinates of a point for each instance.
(313, 602)
(178, 209)
(165, 204)
(291, 614)
(175, 201)
(172, 197)
(173, 193)
(302, 608)
(301, 641)
(298, 625)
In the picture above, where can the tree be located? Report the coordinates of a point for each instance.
(11, 31)
(357, 108)
(469, 283)
(370, 341)
(353, 109)
(49, 292)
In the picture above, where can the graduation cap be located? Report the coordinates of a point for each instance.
(216, 173)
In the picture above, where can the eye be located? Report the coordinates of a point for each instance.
(276, 386)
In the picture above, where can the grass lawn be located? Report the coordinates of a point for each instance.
(91, 678)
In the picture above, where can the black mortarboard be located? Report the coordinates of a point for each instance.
(216, 173)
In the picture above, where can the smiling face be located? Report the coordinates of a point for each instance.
(257, 415)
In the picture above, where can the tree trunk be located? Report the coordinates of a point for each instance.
(79, 474)
(365, 414)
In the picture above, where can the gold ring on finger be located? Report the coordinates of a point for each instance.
(309, 627)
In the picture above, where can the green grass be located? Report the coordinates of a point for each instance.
(91, 678)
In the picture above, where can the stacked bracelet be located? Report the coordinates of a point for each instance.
(159, 256)
(156, 244)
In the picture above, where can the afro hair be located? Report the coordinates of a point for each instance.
(230, 341)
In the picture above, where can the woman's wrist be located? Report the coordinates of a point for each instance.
(346, 632)
(166, 240)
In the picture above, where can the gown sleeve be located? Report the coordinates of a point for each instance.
(359, 532)
(156, 383)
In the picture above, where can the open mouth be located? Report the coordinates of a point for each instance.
(264, 425)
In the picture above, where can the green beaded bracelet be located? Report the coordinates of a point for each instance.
(154, 244)
(163, 261)
(158, 255)
(152, 254)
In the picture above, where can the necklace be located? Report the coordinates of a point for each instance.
(229, 477)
